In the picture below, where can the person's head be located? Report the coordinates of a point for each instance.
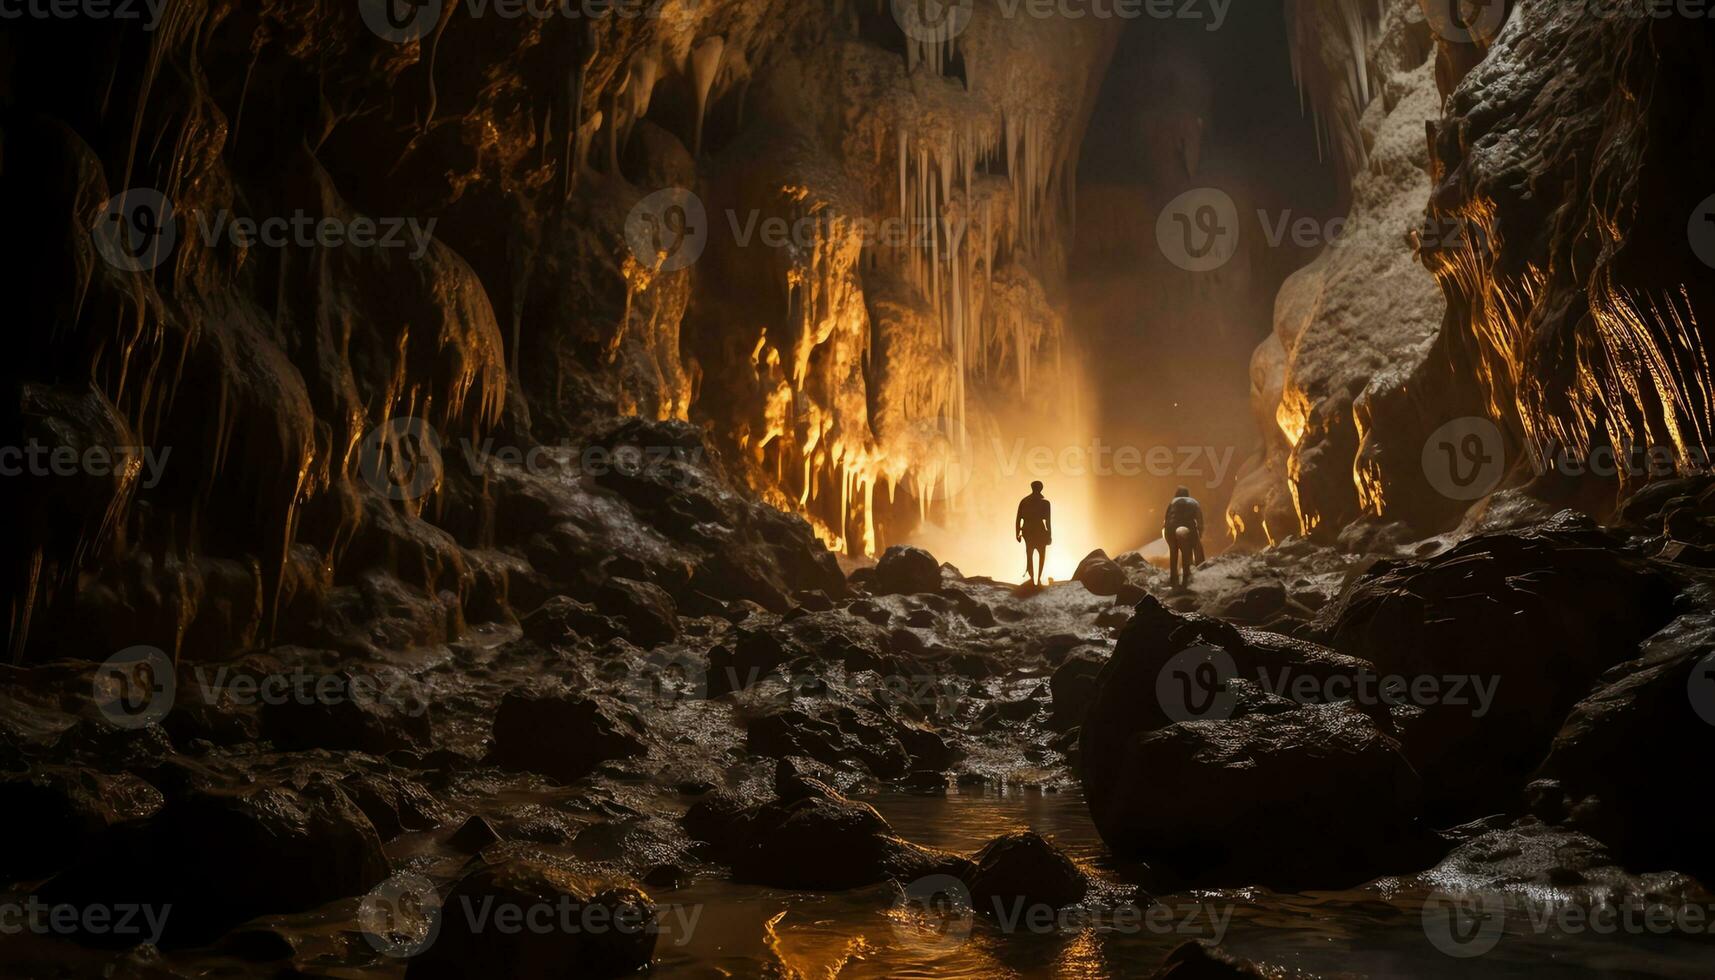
(1036, 486)
(1182, 492)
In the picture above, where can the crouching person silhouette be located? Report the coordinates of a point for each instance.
(1183, 529)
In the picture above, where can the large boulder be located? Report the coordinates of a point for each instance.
(1023, 869)
(220, 856)
(811, 837)
(1617, 770)
(58, 811)
(1269, 772)
(905, 570)
(1531, 616)
(599, 928)
(1317, 796)
(563, 735)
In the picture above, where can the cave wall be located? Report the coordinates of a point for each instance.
(1571, 316)
(369, 448)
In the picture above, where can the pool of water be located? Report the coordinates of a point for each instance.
(718, 928)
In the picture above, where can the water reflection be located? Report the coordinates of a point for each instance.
(882, 932)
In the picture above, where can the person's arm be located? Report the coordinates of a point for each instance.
(1048, 520)
(1018, 523)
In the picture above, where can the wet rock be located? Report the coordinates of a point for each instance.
(562, 735)
(562, 620)
(923, 619)
(1130, 595)
(351, 710)
(648, 612)
(1054, 647)
(392, 803)
(813, 600)
(1066, 744)
(1100, 574)
(842, 736)
(755, 656)
(1073, 686)
(905, 570)
(1266, 785)
(1113, 618)
(1023, 868)
(868, 610)
(474, 835)
(1534, 616)
(610, 932)
(1638, 800)
(975, 612)
(1268, 770)
(975, 666)
(1493, 855)
(222, 855)
(666, 876)
(818, 840)
(742, 610)
(1693, 555)
(57, 811)
(1195, 960)
(1253, 606)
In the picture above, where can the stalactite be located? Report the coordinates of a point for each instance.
(705, 65)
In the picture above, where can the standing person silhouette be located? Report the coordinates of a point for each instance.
(1035, 527)
(1183, 529)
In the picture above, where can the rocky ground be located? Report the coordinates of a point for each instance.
(630, 740)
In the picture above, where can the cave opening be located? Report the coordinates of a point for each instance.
(1187, 113)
